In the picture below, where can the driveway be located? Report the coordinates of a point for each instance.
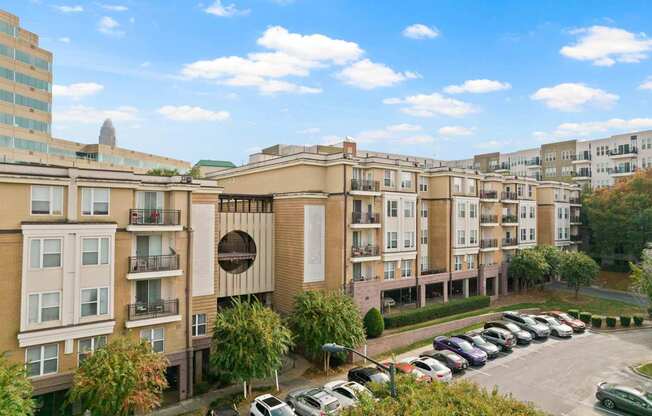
(596, 292)
(560, 376)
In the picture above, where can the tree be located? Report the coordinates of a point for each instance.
(578, 270)
(121, 378)
(249, 341)
(642, 275)
(374, 324)
(15, 389)
(163, 172)
(528, 267)
(553, 256)
(319, 318)
(461, 398)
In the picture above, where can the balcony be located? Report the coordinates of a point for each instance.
(432, 271)
(581, 174)
(575, 238)
(365, 220)
(488, 243)
(364, 278)
(154, 313)
(508, 196)
(534, 162)
(154, 220)
(149, 267)
(510, 219)
(582, 157)
(509, 242)
(365, 253)
(488, 194)
(622, 170)
(575, 220)
(623, 152)
(488, 219)
(362, 186)
(575, 201)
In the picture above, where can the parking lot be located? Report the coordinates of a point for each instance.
(560, 376)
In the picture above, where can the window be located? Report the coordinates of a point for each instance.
(524, 213)
(406, 268)
(42, 360)
(424, 236)
(461, 209)
(389, 178)
(44, 253)
(461, 239)
(532, 212)
(47, 200)
(95, 201)
(95, 251)
(473, 237)
(457, 185)
(424, 263)
(560, 233)
(423, 184)
(94, 301)
(529, 191)
(470, 262)
(458, 263)
(473, 211)
(392, 209)
(566, 213)
(44, 307)
(424, 211)
(155, 337)
(406, 180)
(199, 324)
(87, 346)
(471, 184)
(390, 270)
(392, 239)
(408, 209)
(408, 239)
(523, 234)
(560, 213)
(532, 235)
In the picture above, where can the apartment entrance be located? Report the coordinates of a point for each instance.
(473, 286)
(171, 394)
(53, 404)
(490, 286)
(435, 293)
(396, 300)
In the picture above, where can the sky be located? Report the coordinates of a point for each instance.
(442, 79)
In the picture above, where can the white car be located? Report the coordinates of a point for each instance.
(347, 392)
(556, 328)
(268, 405)
(436, 370)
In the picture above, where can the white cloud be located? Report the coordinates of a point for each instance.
(646, 85)
(77, 91)
(420, 139)
(230, 10)
(404, 127)
(574, 97)
(64, 39)
(109, 26)
(586, 129)
(114, 7)
(188, 113)
(420, 31)
(455, 131)
(270, 86)
(310, 130)
(368, 75)
(478, 86)
(424, 105)
(90, 115)
(605, 46)
(492, 144)
(70, 9)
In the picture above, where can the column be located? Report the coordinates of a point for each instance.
(445, 289)
(466, 287)
(496, 291)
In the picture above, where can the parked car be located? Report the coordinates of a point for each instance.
(477, 341)
(628, 399)
(556, 328)
(365, 375)
(313, 402)
(577, 325)
(537, 329)
(406, 368)
(475, 356)
(522, 337)
(500, 337)
(347, 392)
(450, 359)
(434, 369)
(267, 405)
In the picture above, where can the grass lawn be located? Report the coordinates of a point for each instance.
(613, 280)
(646, 369)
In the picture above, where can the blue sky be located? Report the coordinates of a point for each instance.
(444, 79)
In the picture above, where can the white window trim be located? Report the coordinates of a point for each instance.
(40, 307)
(50, 201)
(99, 313)
(196, 325)
(151, 339)
(99, 251)
(93, 346)
(42, 360)
(93, 214)
(42, 253)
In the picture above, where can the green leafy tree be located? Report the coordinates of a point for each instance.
(528, 267)
(122, 378)
(249, 341)
(553, 256)
(320, 317)
(578, 269)
(15, 389)
(163, 172)
(641, 276)
(462, 398)
(374, 324)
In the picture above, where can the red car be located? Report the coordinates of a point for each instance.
(405, 368)
(564, 318)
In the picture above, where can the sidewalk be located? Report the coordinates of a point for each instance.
(609, 294)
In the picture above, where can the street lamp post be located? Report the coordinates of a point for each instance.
(391, 369)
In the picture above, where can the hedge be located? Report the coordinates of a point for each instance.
(575, 313)
(611, 322)
(431, 312)
(585, 317)
(596, 321)
(373, 323)
(625, 321)
(638, 320)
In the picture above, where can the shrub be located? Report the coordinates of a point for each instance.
(585, 317)
(374, 324)
(625, 321)
(575, 313)
(611, 321)
(428, 313)
(596, 321)
(649, 312)
(638, 320)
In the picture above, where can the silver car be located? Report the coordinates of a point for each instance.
(536, 329)
(347, 392)
(556, 328)
(313, 402)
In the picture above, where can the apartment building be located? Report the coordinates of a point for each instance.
(559, 206)
(90, 254)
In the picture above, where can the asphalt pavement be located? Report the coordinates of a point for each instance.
(596, 292)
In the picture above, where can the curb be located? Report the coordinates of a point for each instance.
(635, 370)
(607, 331)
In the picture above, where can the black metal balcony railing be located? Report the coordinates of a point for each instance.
(511, 196)
(488, 219)
(488, 194)
(155, 309)
(509, 242)
(575, 219)
(154, 216)
(365, 218)
(489, 243)
(623, 151)
(575, 200)
(365, 251)
(432, 271)
(510, 219)
(585, 173)
(535, 161)
(142, 264)
(622, 169)
(364, 278)
(582, 156)
(575, 237)
(365, 185)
